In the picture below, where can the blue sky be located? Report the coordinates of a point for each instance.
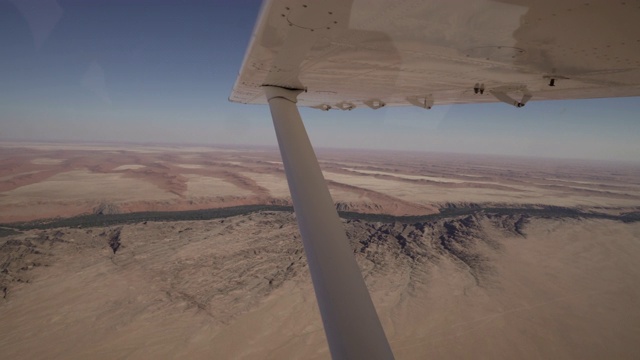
(161, 71)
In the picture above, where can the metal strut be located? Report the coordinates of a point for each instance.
(350, 321)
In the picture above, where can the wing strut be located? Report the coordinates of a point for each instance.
(350, 321)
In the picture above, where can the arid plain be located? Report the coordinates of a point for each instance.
(521, 282)
(55, 180)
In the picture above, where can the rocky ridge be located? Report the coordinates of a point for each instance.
(273, 257)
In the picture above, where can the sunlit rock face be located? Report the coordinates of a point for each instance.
(464, 286)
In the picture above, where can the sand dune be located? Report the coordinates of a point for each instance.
(39, 180)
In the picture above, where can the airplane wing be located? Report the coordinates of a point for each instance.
(346, 54)
(372, 53)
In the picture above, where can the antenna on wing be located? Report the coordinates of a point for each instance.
(502, 95)
(425, 102)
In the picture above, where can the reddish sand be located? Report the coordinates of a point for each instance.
(57, 180)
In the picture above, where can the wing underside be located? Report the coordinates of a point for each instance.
(372, 53)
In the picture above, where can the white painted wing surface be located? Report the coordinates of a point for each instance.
(371, 53)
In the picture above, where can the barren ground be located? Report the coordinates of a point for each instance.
(55, 180)
(481, 285)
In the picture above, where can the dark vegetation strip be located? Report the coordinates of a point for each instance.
(540, 212)
(85, 221)
(93, 220)
(7, 232)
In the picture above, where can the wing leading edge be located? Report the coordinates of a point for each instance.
(375, 53)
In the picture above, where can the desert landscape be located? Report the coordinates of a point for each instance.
(40, 181)
(466, 256)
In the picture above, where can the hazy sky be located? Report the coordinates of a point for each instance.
(161, 71)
